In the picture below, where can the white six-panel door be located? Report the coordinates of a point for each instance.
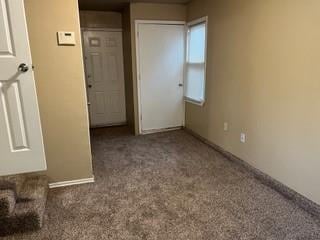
(161, 52)
(21, 145)
(105, 77)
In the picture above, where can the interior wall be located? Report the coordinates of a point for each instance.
(263, 79)
(150, 11)
(99, 19)
(127, 52)
(59, 76)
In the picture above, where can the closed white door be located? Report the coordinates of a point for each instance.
(105, 77)
(161, 51)
(21, 145)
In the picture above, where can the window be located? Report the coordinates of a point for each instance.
(196, 61)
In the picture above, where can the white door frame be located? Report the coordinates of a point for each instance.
(93, 29)
(139, 107)
(84, 29)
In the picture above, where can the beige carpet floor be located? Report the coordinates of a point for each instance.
(169, 186)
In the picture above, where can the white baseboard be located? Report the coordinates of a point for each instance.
(70, 183)
(146, 132)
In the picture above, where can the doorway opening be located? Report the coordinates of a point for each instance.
(135, 68)
(103, 58)
(106, 43)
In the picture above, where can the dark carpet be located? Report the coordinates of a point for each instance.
(23, 203)
(169, 186)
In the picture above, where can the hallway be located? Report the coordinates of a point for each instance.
(169, 186)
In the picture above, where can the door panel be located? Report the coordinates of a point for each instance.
(105, 77)
(14, 116)
(161, 75)
(21, 144)
(96, 60)
(5, 30)
(100, 102)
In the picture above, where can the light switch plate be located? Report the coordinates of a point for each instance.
(66, 38)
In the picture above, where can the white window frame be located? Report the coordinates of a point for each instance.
(190, 24)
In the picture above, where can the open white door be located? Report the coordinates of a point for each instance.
(21, 144)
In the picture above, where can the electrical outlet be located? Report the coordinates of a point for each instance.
(243, 137)
(225, 126)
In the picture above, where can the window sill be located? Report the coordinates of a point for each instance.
(195, 102)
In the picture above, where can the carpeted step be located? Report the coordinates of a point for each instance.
(7, 202)
(29, 209)
(14, 182)
(9, 186)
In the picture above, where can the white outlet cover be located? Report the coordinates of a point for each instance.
(243, 137)
(225, 126)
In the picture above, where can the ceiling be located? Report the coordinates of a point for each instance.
(118, 5)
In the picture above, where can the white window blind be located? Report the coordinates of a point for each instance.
(196, 61)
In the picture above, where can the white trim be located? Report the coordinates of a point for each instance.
(190, 24)
(189, 100)
(101, 29)
(109, 125)
(137, 22)
(198, 21)
(184, 75)
(71, 183)
(159, 22)
(146, 132)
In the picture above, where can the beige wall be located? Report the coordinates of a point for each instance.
(60, 85)
(98, 19)
(148, 11)
(263, 78)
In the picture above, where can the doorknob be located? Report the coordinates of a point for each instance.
(23, 67)
(180, 85)
(89, 86)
